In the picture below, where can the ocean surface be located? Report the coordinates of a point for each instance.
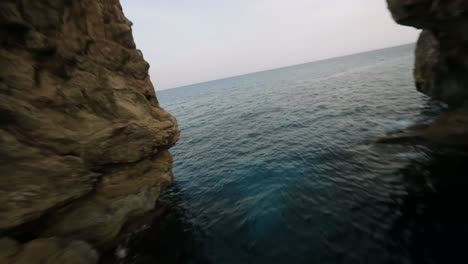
(282, 166)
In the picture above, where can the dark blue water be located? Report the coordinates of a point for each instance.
(281, 167)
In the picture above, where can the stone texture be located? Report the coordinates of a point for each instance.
(84, 142)
(442, 50)
(50, 251)
(125, 191)
(441, 67)
(449, 129)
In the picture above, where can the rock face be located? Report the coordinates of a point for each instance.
(51, 250)
(441, 68)
(83, 141)
(442, 49)
(449, 129)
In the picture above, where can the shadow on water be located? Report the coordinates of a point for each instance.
(276, 175)
(430, 228)
(168, 239)
(433, 223)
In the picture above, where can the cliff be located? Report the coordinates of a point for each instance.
(441, 67)
(83, 141)
(442, 49)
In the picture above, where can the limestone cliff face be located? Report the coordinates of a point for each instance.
(442, 50)
(83, 141)
(441, 68)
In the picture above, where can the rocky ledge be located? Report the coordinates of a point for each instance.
(441, 68)
(83, 140)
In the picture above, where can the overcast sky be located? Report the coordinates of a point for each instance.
(191, 41)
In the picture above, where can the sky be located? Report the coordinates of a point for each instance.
(192, 41)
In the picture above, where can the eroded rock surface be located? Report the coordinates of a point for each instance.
(83, 141)
(442, 50)
(441, 68)
(449, 129)
(50, 250)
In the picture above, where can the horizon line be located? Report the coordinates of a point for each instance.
(284, 67)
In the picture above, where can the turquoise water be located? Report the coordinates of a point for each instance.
(281, 167)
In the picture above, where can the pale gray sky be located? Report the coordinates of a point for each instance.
(191, 41)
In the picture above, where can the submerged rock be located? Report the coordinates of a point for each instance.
(83, 140)
(449, 129)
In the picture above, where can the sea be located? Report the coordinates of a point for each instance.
(282, 166)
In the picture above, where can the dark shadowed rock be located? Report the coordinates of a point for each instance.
(449, 129)
(441, 68)
(442, 50)
(50, 250)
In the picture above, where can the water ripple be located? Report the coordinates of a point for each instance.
(280, 167)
